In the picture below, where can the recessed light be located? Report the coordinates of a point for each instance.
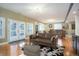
(37, 8)
(74, 12)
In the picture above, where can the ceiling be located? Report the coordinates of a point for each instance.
(44, 12)
(74, 11)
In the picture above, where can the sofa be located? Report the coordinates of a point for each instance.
(44, 39)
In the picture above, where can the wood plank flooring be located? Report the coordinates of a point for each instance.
(15, 50)
(68, 43)
(10, 50)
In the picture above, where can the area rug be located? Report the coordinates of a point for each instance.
(47, 51)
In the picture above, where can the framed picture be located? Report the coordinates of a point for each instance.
(73, 26)
(50, 25)
(2, 27)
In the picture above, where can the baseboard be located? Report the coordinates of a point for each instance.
(16, 41)
(3, 43)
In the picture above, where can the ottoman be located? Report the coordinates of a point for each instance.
(32, 50)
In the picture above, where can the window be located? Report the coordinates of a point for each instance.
(12, 30)
(29, 28)
(16, 30)
(58, 26)
(21, 30)
(41, 27)
(2, 27)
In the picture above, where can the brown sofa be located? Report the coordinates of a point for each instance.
(45, 39)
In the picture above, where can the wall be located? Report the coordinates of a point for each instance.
(47, 26)
(77, 25)
(68, 28)
(9, 14)
(52, 24)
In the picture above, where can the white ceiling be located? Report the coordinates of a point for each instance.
(45, 12)
(74, 11)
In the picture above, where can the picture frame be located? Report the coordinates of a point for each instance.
(73, 26)
(50, 25)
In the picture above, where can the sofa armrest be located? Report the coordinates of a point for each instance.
(51, 38)
(32, 36)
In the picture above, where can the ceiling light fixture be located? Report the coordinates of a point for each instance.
(38, 8)
(74, 12)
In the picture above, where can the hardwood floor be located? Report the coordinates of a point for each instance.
(68, 51)
(10, 50)
(15, 50)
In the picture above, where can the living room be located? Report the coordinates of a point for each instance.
(39, 29)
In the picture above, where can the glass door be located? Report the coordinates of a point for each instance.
(12, 30)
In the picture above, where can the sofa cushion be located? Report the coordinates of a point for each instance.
(43, 41)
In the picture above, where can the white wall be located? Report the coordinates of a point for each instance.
(77, 25)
